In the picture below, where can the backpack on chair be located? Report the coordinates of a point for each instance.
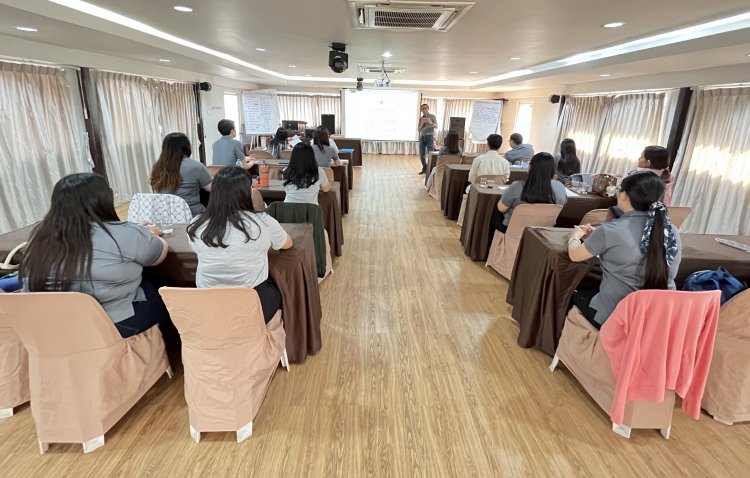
(719, 279)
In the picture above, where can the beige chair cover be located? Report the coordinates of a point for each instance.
(229, 354)
(258, 204)
(498, 178)
(14, 371)
(462, 210)
(329, 259)
(329, 174)
(214, 169)
(504, 247)
(582, 353)
(437, 181)
(678, 215)
(468, 158)
(285, 154)
(596, 217)
(84, 377)
(260, 154)
(727, 393)
(276, 171)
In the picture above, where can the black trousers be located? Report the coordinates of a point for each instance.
(148, 313)
(496, 224)
(270, 298)
(582, 299)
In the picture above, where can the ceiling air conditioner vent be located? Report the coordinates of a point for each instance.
(407, 16)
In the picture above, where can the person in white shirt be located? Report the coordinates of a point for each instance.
(232, 241)
(303, 178)
(490, 163)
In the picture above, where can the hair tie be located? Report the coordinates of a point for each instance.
(670, 242)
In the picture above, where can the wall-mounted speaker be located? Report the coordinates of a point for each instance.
(205, 86)
(329, 123)
(554, 99)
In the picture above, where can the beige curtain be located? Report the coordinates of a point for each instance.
(43, 138)
(308, 108)
(713, 165)
(137, 113)
(582, 119)
(632, 123)
(390, 147)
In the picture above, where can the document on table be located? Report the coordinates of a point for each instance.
(294, 141)
(570, 193)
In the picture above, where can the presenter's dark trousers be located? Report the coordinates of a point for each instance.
(426, 145)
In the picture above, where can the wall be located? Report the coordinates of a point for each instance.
(543, 120)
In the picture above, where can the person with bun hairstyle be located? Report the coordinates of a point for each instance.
(641, 250)
(656, 160)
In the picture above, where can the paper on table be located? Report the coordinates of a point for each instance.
(570, 193)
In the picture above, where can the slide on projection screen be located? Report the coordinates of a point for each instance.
(381, 114)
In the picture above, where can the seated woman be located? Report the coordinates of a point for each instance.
(567, 164)
(539, 188)
(325, 155)
(450, 147)
(641, 250)
(303, 178)
(82, 246)
(278, 143)
(656, 160)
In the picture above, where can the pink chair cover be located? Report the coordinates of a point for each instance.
(14, 369)
(504, 247)
(228, 352)
(83, 376)
(437, 182)
(596, 217)
(678, 215)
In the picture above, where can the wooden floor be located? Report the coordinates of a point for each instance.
(419, 375)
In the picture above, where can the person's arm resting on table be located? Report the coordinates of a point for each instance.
(577, 251)
(325, 186)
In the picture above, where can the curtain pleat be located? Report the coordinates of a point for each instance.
(712, 170)
(582, 119)
(43, 138)
(309, 108)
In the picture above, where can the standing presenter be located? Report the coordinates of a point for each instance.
(426, 128)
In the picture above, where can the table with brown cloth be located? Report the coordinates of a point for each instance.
(544, 278)
(341, 176)
(454, 184)
(518, 174)
(351, 143)
(294, 271)
(475, 229)
(329, 203)
(349, 167)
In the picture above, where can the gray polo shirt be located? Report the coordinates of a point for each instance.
(194, 175)
(428, 130)
(325, 156)
(512, 197)
(227, 151)
(522, 151)
(617, 243)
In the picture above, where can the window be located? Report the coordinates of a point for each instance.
(524, 113)
(232, 110)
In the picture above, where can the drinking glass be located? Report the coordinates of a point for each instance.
(490, 183)
(166, 228)
(483, 183)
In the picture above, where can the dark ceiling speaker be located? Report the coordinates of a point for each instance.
(338, 60)
(554, 99)
(205, 86)
(359, 84)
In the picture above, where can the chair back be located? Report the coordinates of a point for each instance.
(159, 208)
(276, 171)
(498, 178)
(596, 217)
(329, 174)
(285, 154)
(299, 213)
(468, 158)
(678, 215)
(260, 154)
(214, 169)
(442, 161)
(14, 371)
(502, 255)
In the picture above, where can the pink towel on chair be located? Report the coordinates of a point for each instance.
(661, 340)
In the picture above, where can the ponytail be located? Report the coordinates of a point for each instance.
(666, 176)
(656, 274)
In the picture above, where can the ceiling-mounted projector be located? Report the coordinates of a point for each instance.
(383, 81)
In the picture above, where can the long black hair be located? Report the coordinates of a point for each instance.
(230, 200)
(321, 137)
(569, 163)
(166, 172)
(280, 137)
(451, 142)
(644, 188)
(538, 186)
(60, 249)
(303, 169)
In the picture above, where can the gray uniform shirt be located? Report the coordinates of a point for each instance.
(194, 176)
(324, 157)
(428, 130)
(116, 274)
(522, 151)
(512, 197)
(227, 151)
(617, 243)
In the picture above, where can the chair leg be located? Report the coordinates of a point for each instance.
(244, 432)
(195, 434)
(553, 365)
(285, 361)
(725, 422)
(170, 372)
(666, 432)
(93, 444)
(43, 447)
(622, 430)
(6, 412)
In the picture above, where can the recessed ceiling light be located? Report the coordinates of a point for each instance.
(292, 66)
(183, 9)
(474, 72)
(308, 75)
(605, 75)
(260, 49)
(387, 54)
(225, 74)
(164, 60)
(27, 29)
(515, 58)
(613, 25)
